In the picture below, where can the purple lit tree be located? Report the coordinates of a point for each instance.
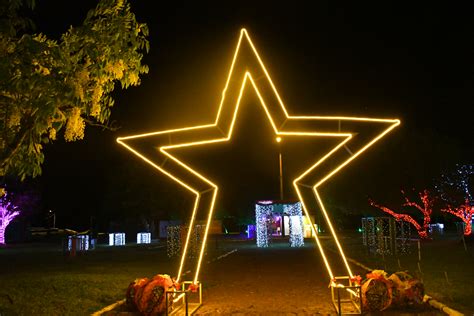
(7, 214)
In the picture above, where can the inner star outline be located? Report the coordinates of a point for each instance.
(356, 135)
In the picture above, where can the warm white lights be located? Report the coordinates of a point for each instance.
(351, 133)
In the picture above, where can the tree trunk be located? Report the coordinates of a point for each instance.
(2, 235)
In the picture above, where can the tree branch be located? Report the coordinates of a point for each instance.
(112, 127)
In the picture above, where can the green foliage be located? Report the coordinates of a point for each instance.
(49, 86)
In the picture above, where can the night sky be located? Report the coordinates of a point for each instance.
(414, 63)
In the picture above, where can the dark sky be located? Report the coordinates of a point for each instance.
(409, 62)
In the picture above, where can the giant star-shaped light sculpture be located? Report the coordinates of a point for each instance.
(355, 135)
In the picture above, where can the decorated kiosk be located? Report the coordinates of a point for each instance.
(278, 219)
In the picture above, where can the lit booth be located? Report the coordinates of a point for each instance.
(281, 218)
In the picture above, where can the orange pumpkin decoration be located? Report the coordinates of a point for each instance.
(149, 296)
(134, 291)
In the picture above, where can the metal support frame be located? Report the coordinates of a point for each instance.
(342, 295)
(183, 302)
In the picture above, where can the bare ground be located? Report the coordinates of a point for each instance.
(278, 280)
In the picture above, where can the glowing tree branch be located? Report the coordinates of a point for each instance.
(7, 214)
(426, 210)
(465, 213)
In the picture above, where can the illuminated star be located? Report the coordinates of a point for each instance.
(354, 135)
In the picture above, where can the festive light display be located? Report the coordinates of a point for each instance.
(458, 182)
(176, 237)
(7, 213)
(464, 212)
(173, 240)
(426, 210)
(295, 223)
(116, 239)
(384, 235)
(143, 238)
(80, 242)
(263, 213)
(352, 132)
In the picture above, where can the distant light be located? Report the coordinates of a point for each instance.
(143, 238)
(278, 139)
(265, 211)
(116, 239)
(81, 242)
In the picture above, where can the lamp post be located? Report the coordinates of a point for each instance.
(53, 214)
(278, 139)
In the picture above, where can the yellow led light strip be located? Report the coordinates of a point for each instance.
(347, 128)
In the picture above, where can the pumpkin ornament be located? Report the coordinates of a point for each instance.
(376, 291)
(148, 296)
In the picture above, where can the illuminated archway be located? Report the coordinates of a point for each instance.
(356, 134)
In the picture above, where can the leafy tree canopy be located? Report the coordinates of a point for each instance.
(51, 86)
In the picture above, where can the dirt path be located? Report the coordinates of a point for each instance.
(274, 281)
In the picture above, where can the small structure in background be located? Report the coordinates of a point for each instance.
(143, 238)
(385, 235)
(277, 218)
(77, 243)
(176, 239)
(116, 239)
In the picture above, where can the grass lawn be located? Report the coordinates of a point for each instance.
(37, 279)
(447, 269)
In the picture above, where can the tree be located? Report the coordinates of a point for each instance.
(426, 209)
(465, 213)
(455, 187)
(49, 86)
(7, 214)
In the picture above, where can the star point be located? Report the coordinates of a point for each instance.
(356, 135)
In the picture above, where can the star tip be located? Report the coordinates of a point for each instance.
(243, 31)
(119, 140)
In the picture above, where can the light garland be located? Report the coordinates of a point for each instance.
(426, 210)
(459, 180)
(116, 239)
(143, 238)
(242, 72)
(264, 211)
(262, 217)
(295, 216)
(465, 213)
(176, 236)
(379, 238)
(173, 240)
